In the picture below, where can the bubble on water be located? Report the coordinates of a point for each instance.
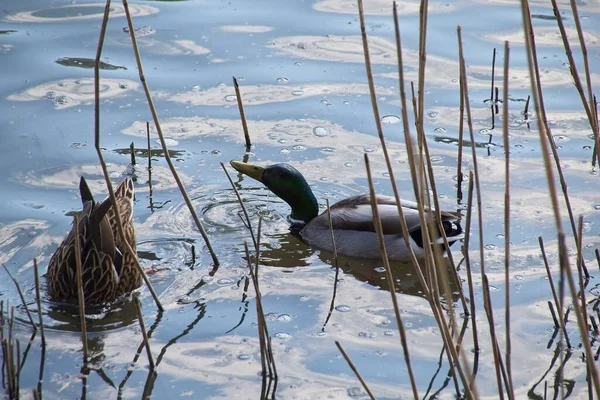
(196, 88)
(369, 335)
(284, 318)
(390, 119)
(304, 298)
(284, 151)
(388, 333)
(368, 149)
(327, 150)
(225, 281)
(299, 147)
(485, 131)
(297, 93)
(379, 269)
(432, 114)
(283, 336)
(230, 98)
(436, 159)
(519, 277)
(282, 80)
(319, 131)
(243, 357)
(440, 130)
(490, 246)
(348, 164)
(343, 308)
(561, 138)
(355, 392)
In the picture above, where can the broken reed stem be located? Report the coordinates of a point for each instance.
(149, 151)
(161, 137)
(21, 296)
(111, 192)
(468, 268)
(38, 299)
(389, 276)
(239, 198)
(355, 370)
(580, 274)
(132, 153)
(80, 296)
(557, 303)
(505, 132)
(238, 96)
(335, 264)
(138, 306)
(544, 138)
(493, 74)
(259, 319)
(588, 104)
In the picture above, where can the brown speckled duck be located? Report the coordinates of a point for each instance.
(108, 269)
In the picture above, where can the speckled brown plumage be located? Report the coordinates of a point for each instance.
(108, 268)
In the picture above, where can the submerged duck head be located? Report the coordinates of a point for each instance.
(287, 183)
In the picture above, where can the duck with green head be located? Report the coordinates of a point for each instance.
(352, 218)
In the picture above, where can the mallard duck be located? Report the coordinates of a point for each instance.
(352, 218)
(108, 268)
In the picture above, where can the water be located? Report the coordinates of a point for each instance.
(301, 73)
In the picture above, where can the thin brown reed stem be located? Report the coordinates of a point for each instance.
(557, 302)
(355, 370)
(505, 132)
(379, 127)
(38, 299)
(138, 306)
(335, 264)
(149, 150)
(581, 274)
(423, 13)
(479, 204)
(239, 198)
(238, 96)
(544, 136)
(80, 296)
(493, 74)
(184, 194)
(259, 319)
(466, 247)
(588, 103)
(22, 297)
(544, 128)
(389, 276)
(111, 192)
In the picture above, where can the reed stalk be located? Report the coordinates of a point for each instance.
(150, 101)
(355, 370)
(544, 139)
(80, 295)
(238, 96)
(111, 192)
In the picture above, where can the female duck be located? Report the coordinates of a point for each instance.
(352, 218)
(108, 268)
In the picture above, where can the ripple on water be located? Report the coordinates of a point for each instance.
(390, 119)
(71, 92)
